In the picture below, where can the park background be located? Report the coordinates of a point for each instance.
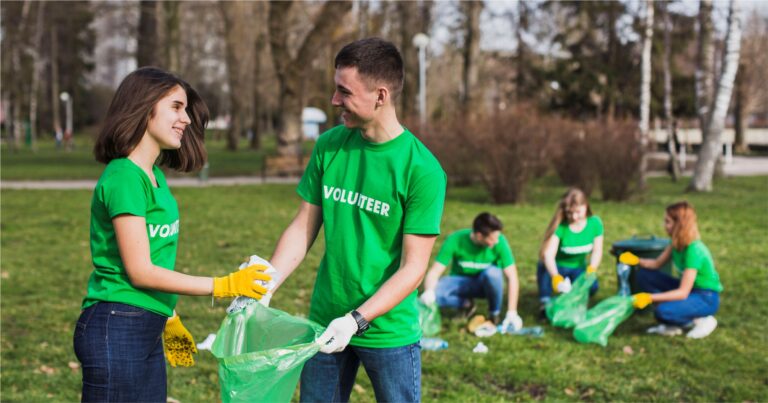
(520, 100)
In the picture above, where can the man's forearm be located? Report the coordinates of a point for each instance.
(392, 292)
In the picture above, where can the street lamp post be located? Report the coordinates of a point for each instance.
(421, 41)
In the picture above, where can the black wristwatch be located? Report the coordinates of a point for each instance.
(362, 324)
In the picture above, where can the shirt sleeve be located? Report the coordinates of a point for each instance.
(125, 193)
(424, 207)
(310, 186)
(560, 230)
(445, 256)
(506, 258)
(693, 258)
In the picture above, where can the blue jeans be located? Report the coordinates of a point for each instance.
(699, 303)
(544, 280)
(120, 348)
(453, 291)
(395, 374)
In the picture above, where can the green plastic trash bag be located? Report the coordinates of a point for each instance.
(429, 319)
(603, 319)
(567, 310)
(261, 353)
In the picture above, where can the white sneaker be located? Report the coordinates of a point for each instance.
(665, 330)
(702, 327)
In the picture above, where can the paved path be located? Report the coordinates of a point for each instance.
(741, 166)
(173, 182)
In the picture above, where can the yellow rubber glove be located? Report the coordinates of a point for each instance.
(629, 258)
(178, 343)
(591, 269)
(641, 300)
(242, 282)
(556, 280)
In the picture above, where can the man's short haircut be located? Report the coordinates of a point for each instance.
(485, 223)
(376, 60)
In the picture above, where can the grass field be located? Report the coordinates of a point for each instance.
(50, 163)
(45, 267)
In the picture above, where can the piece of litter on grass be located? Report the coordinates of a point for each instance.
(628, 350)
(172, 400)
(74, 366)
(358, 389)
(480, 348)
(207, 343)
(569, 392)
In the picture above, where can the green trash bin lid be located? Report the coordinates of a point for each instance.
(638, 244)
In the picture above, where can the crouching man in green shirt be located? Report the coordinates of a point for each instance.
(477, 258)
(379, 194)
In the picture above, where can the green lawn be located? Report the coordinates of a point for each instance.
(45, 267)
(50, 163)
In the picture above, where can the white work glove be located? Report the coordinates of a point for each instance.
(428, 297)
(337, 335)
(512, 322)
(564, 286)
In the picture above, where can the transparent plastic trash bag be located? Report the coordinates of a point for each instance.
(261, 352)
(603, 319)
(569, 309)
(429, 319)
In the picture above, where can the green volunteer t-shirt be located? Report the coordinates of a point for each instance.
(697, 256)
(467, 258)
(125, 189)
(371, 194)
(576, 246)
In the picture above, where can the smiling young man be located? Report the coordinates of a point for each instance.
(479, 258)
(379, 193)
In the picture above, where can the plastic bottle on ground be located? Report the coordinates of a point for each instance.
(433, 343)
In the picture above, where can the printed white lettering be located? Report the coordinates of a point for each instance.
(327, 190)
(350, 197)
(165, 230)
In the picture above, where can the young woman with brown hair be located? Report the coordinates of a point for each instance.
(691, 300)
(128, 311)
(573, 244)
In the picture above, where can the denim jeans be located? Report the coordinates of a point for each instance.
(544, 280)
(395, 374)
(120, 349)
(453, 291)
(699, 303)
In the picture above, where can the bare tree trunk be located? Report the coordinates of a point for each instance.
(36, 51)
(704, 63)
(171, 39)
(407, 13)
(713, 130)
(521, 76)
(259, 48)
(56, 109)
(146, 49)
(740, 110)
(645, 89)
(291, 71)
(471, 52)
(668, 118)
(240, 50)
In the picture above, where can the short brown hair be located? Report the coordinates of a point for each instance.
(132, 107)
(375, 59)
(685, 229)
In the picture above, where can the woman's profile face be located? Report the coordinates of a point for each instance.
(576, 213)
(669, 224)
(169, 119)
